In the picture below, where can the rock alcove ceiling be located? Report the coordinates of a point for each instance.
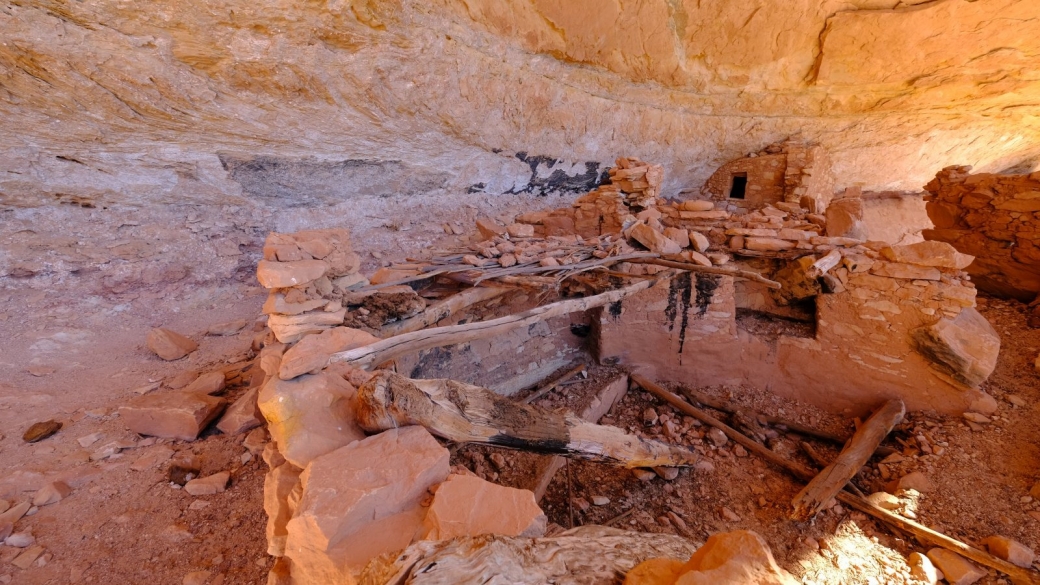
(289, 103)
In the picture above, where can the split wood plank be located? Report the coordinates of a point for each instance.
(821, 462)
(442, 310)
(548, 387)
(721, 270)
(814, 496)
(388, 349)
(576, 267)
(470, 414)
(1019, 575)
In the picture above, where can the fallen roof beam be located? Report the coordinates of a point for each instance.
(1019, 575)
(388, 349)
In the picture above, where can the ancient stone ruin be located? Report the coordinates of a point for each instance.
(642, 293)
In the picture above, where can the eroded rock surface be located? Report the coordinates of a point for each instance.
(521, 96)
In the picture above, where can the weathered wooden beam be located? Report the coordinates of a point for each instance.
(722, 270)
(736, 436)
(814, 496)
(821, 463)
(576, 267)
(471, 414)
(1019, 575)
(696, 396)
(388, 349)
(548, 387)
(443, 309)
(546, 467)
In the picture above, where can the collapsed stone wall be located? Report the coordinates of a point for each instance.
(889, 321)
(995, 218)
(871, 342)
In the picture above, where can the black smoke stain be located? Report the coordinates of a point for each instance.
(558, 181)
(615, 310)
(706, 285)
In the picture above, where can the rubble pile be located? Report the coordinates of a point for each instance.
(306, 273)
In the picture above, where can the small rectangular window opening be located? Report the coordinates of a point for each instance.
(739, 186)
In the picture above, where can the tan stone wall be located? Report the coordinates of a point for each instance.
(808, 175)
(995, 218)
(765, 174)
(862, 352)
(895, 217)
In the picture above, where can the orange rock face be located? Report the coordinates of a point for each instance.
(691, 84)
(361, 501)
(469, 506)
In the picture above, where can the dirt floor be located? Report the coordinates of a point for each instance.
(73, 353)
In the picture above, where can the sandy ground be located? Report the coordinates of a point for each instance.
(74, 317)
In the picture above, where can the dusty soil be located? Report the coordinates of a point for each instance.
(982, 476)
(74, 350)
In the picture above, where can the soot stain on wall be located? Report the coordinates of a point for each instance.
(558, 181)
(297, 182)
(706, 285)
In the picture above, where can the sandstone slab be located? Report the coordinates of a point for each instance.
(227, 328)
(922, 569)
(655, 572)
(845, 218)
(905, 271)
(243, 414)
(309, 416)
(469, 506)
(740, 557)
(169, 345)
(696, 205)
(966, 346)
(279, 483)
(699, 241)
(956, 569)
(171, 415)
(1010, 550)
(912, 481)
(767, 244)
(930, 253)
(209, 383)
(277, 304)
(653, 240)
(51, 493)
(291, 328)
(209, 485)
(490, 228)
(362, 500)
(288, 274)
(313, 351)
(40, 431)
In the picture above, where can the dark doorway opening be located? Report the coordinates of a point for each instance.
(739, 186)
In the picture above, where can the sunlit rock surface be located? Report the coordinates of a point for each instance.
(289, 104)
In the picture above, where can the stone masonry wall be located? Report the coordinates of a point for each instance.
(765, 184)
(995, 218)
(876, 338)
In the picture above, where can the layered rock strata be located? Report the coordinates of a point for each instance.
(105, 103)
